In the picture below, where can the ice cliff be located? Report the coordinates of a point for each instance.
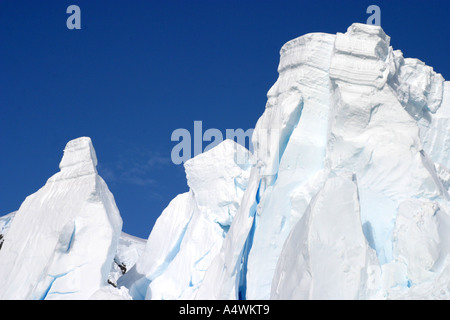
(350, 199)
(346, 196)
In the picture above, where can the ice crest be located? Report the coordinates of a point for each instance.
(79, 158)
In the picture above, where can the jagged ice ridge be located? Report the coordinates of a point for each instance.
(346, 196)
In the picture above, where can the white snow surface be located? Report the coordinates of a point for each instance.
(63, 238)
(190, 231)
(343, 105)
(5, 223)
(129, 249)
(346, 196)
(327, 256)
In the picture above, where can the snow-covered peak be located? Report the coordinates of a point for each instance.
(79, 158)
(216, 176)
(305, 50)
(368, 31)
(190, 231)
(62, 240)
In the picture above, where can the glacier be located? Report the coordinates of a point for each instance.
(346, 196)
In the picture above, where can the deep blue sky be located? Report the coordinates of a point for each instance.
(138, 70)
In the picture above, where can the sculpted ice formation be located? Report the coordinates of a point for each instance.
(190, 231)
(364, 110)
(346, 196)
(326, 256)
(62, 240)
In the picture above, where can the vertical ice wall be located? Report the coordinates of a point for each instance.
(290, 142)
(374, 131)
(303, 78)
(326, 256)
(378, 131)
(343, 104)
